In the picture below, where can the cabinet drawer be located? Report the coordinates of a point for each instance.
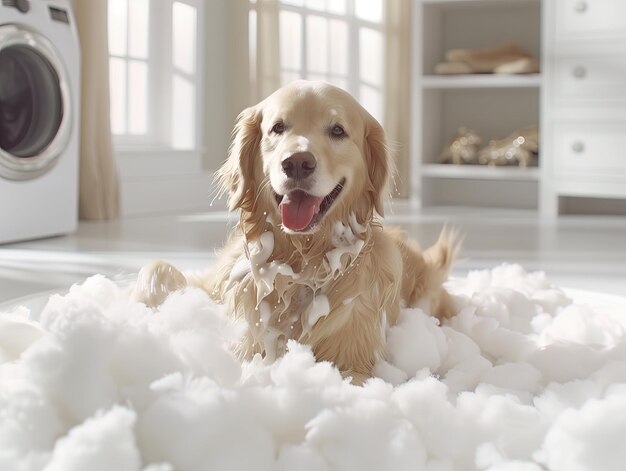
(597, 149)
(599, 77)
(590, 18)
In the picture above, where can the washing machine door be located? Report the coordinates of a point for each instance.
(35, 107)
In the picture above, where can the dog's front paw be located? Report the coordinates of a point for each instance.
(155, 282)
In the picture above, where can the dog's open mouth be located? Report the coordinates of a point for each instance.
(301, 211)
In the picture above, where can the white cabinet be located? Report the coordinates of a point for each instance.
(585, 73)
(492, 105)
(578, 99)
(584, 103)
(587, 19)
(590, 150)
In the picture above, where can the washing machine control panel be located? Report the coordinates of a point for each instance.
(21, 5)
(59, 14)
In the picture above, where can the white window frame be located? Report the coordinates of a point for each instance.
(148, 164)
(354, 24)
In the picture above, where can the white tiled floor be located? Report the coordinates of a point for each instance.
(579, 252)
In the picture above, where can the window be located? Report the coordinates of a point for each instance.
(339, 41)
(155, 72)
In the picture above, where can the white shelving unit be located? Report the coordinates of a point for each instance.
(492, 105)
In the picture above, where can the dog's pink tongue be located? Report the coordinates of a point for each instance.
(298, 208)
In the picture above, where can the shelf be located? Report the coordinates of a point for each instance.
(479, 3)
(401, 211)
(480, 172)
(481, 81)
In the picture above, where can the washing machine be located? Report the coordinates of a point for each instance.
(39, 119)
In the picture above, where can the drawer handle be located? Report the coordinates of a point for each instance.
(579, 72)
(578, 147)
(580, 7)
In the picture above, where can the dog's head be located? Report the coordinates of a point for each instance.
(307, 154)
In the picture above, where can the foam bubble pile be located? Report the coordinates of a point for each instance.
(522, 379)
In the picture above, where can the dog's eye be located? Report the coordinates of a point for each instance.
(279, 127)
(338, 131)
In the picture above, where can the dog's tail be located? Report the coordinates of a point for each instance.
(425, 271)
(439, 259)
(442, 254)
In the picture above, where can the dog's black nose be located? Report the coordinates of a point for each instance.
(300, 165)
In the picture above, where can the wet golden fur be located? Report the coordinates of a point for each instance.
(380, 270)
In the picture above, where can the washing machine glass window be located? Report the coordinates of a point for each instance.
(35, 111)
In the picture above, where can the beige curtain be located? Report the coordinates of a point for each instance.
(99, 191)
(398, 86)
(267, 73)
(247, 87)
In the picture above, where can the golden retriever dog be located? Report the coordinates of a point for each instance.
(308, 171)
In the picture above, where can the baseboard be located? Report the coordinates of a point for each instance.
(166, 194)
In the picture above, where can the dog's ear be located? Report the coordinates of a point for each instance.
(237, 175)
(379, 164)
